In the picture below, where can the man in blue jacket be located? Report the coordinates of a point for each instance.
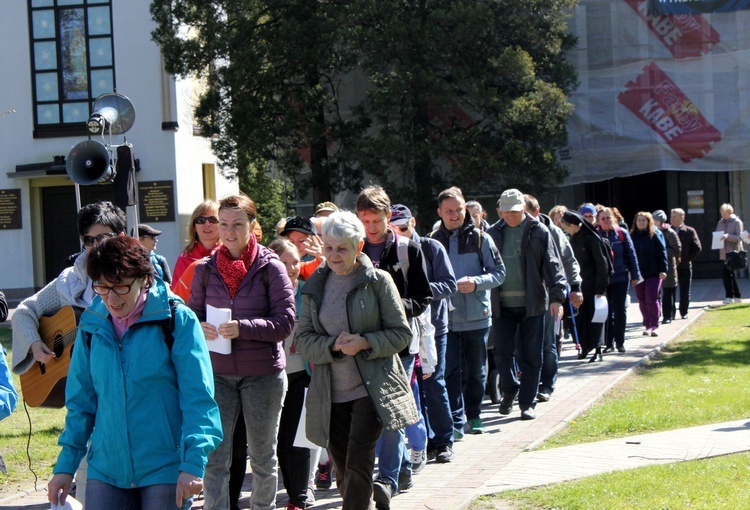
(535, 283)
(478, 268)
(443, 285)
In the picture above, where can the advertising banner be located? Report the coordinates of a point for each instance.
(657, 92)
(697, 6)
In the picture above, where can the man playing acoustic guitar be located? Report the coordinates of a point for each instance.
(72, 287)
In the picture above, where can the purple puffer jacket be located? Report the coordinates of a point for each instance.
(265, 311)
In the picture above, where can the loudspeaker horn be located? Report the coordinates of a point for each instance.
(89, 163)
(113, 114)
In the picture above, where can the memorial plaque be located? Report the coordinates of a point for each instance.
(10, 209)
(156, 201)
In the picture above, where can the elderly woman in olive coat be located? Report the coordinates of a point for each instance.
(358, 384)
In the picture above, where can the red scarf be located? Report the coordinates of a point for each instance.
(233, 271)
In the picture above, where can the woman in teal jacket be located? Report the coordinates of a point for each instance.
(141, 372)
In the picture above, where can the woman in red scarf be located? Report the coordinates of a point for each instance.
(250, 281)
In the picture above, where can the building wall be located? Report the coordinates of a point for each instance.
(164, 154)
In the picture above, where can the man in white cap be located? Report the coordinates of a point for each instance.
(534, 277)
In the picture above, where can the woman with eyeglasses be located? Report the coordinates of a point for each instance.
(251, 281)
(624, 273)
(202, 238)
(140, 390)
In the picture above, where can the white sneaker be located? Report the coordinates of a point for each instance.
(737, 300)
(418, 460)
(727, 301)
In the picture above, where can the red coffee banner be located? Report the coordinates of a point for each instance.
(684, 35)
(657, 101)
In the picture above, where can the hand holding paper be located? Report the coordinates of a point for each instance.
(717, 240)
(216, 317)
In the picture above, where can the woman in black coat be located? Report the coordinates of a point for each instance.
(591, 254)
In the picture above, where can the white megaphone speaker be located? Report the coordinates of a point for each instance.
(89, 163)
(113, 114)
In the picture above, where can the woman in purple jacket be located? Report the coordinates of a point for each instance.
(251, 281)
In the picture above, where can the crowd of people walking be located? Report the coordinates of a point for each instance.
(350, 348)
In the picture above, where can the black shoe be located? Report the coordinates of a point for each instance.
(506, 404)
(609, 348)
(444, 454)
(431, 452)
(596, 357)
(404, 481)
(323, 477)
(667, 321)
(382, 494)
(684, 315)
(583, 355)
(620, 348)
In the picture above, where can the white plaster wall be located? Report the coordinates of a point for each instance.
(164, 155)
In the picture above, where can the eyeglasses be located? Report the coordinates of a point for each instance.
(200, 220)
(402, 228)
(89, 241)
(120, 290)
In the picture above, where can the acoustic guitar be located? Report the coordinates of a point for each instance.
(44, 383)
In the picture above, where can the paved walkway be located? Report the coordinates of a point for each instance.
(501, 458)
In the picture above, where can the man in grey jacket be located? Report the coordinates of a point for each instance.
(535, 283)
(478, 269)
(573, 276)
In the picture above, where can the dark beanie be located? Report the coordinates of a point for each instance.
(573, 218)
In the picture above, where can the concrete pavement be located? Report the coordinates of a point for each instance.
(500, 459)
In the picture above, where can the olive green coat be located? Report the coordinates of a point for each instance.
(374, 311)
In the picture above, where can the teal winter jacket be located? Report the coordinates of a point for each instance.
(149, 411)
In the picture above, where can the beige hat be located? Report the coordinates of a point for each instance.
(511, 200)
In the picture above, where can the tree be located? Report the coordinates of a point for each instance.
(471, 92)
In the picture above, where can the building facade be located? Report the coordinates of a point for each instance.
(60, 55)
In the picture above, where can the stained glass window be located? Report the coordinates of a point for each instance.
(72, 59)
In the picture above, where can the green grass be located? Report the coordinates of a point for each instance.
(715, 483)
(46, 426)
(702, 378)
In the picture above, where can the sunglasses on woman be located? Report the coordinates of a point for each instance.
(89, 241)
(200, 220)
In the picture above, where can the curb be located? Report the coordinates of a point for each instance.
(585, 407)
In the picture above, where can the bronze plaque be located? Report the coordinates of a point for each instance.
(155, 201)
(10, 209)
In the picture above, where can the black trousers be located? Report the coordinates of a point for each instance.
(294, 462)
(730, 283)
(668, 305)
(684, 282)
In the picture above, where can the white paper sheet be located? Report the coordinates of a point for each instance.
(300, 439)
(71, 503)
(601, 309)
(216, 317)
(717, 243)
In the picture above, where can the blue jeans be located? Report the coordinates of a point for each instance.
(152, 497)
(391, 447)
(549, 354)
(416, 432)
(528, 353)
(472, 346)
(260, 399)
(438, 418)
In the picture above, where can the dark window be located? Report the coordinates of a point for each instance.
(72, 62)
